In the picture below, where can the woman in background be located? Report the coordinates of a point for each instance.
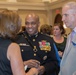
(58, 37)
(10, 57)
(45, 29)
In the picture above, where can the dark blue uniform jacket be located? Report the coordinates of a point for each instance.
(44, 52)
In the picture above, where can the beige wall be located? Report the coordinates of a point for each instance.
(68, 30)
(55, 13)
(42, 15)
(46, 11)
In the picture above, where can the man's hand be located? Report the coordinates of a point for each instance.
(32, 63)
(41, 70)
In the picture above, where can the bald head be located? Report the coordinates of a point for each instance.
(32, 15)
(32, 23)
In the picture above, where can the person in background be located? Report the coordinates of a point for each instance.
(10, 56)
(68, 62)
(23, 29)
(46, 29)
(58, 37)
(37, 49)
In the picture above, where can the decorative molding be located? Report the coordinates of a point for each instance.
(48, 1)
(57, 4)
(22, 6)
(11, 0)
(32, 6)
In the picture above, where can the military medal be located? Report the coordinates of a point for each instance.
(44, 45)
(35, 50)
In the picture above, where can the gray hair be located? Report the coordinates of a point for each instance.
(10, 24)
(71, 5)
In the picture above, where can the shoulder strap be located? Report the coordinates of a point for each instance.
(25, 36)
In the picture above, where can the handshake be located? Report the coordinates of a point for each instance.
(34, 64)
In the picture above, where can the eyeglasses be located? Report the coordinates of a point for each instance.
(30, 23)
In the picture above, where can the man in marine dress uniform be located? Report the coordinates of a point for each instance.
(37, 49)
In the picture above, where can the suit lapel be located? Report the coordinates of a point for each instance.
(67, 49)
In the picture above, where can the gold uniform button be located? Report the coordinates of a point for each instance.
(34, 54)
(22, 50)
(33, 39)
